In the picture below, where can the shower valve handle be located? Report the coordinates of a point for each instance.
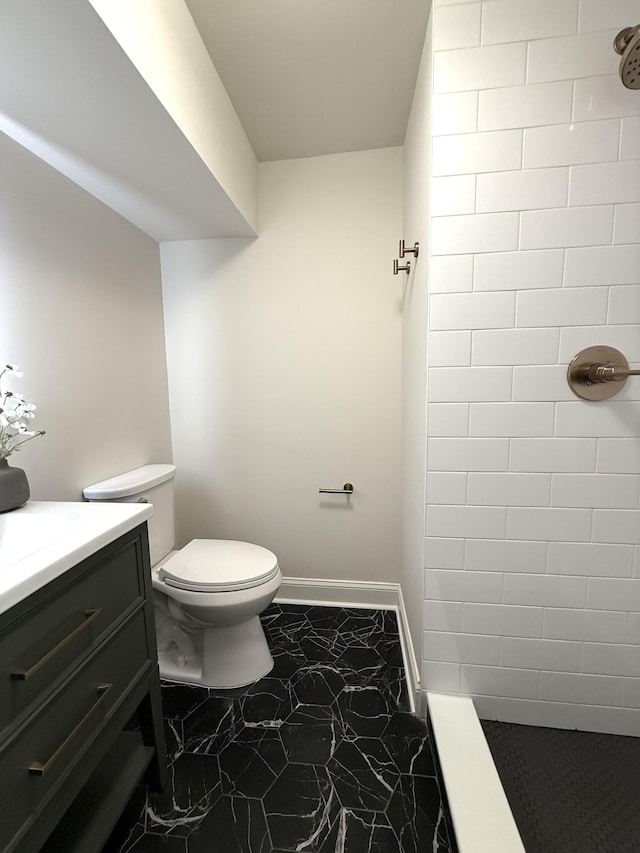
(610, 372)
(597, 373)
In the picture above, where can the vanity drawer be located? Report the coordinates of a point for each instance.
(46, 641)
(41, 752)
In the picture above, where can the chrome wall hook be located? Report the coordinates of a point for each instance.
(406, 267)
(406, 250)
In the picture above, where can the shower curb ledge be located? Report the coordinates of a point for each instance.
(362, 595)
(481, 816)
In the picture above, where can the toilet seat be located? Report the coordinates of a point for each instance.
(218, 565)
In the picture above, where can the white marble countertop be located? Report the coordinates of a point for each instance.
(42, 539)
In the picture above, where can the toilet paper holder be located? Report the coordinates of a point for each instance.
(347, 489)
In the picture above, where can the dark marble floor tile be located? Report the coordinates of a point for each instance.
(319, 684)
(234, 825)
(362, 832)
(174, 738)
(361, 629)
(193, 788)
(416, 815)
(324, 617)
(283, 636)
(323, 645)
(363, 774)
(286, 611)
(388, 620)
(363, 663)
(151, 843)
(287, 660)
(311, 734)
(285, 622)
(319, 756)
(407, 741)
(300, 808)
(266, 703)
(210, 727)
(251, 763)
(390, 650)
(179, 700)
(394, 686)
(383, 620)
(364, 710)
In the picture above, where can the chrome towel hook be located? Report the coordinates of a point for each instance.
(406, 267)
(405, 250)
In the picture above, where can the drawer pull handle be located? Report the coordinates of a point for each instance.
(23, 674)
(38, 769)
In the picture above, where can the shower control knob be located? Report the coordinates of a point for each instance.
(599, 372)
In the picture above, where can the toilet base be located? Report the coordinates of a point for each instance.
(232, 656)
(235, 655)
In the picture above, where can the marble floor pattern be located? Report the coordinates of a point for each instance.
(322, 755)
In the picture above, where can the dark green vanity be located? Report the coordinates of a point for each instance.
(78, 663)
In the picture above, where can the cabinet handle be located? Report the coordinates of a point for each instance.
(38, 769)
(23, 674)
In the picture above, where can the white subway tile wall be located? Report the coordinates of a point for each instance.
(532, 556)
(517, 270)
(522, 190)
(630, 138)
(525, 106)
(596, 15)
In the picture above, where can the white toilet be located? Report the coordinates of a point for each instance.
(208, 595)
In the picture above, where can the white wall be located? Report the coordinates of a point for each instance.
(284, 370)
(533, 571)
(414, 344)
(82, 316)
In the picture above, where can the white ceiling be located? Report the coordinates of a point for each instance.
(312, 77)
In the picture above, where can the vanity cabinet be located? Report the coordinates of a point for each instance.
(78, 664)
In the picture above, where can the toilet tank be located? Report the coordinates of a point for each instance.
(150, 484)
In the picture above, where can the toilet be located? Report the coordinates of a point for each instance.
(208, 595)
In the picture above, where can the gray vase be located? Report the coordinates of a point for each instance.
(14, 487)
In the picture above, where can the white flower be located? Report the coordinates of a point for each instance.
(23, 429)
(15, 409)
(11, 368)
(25, 408)
(21, 400)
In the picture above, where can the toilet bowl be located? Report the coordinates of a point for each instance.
(208, 595)
(220, 587)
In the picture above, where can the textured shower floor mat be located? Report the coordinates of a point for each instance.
(569, 791)
(320, 756)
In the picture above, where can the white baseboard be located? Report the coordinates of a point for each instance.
(411, 668)
(334, 593)
(363, 595)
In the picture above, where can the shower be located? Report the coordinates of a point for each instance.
(627, 44)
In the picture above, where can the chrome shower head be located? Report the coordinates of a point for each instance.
(627, 44)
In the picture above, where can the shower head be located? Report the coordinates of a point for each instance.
(627, 44)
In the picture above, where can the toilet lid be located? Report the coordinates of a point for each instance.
(219, 565)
